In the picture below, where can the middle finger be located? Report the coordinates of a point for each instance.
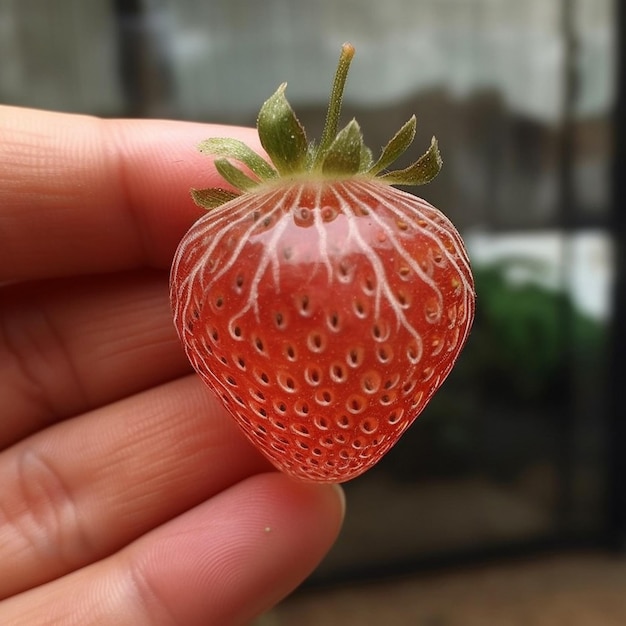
(72, 345)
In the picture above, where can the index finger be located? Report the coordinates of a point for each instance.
(81, 195)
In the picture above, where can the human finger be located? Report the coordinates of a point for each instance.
(71, 345)
(82, 195)
(76, 492)
(224, 562)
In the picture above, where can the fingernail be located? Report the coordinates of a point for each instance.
(342, 498)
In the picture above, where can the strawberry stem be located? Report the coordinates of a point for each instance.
(339, 154)
(334, 105)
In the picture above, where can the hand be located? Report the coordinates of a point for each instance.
(127, 495)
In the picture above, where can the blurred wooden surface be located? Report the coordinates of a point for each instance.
(584, 589)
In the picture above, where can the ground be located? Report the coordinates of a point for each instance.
(581, 589)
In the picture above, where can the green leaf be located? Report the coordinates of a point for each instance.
(397, 145)
(420, 172)
(366, 159)
(281, 134)
(212, 198)
(343, 157)
(234, 175)
(235, 149)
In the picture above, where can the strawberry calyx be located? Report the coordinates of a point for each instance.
(340, 154)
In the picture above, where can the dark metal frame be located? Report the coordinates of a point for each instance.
(617, 394)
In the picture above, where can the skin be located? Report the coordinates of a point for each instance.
(128, 496)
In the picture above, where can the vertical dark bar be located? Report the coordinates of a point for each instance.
(617, 399)
(566, 224)
(131, 56)
(142, 59)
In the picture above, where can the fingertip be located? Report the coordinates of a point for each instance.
(240, 553)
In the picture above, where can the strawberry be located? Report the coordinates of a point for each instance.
(323, 306)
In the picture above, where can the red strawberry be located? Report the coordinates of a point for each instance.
(322, 305)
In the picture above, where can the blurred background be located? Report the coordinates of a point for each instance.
(516, 471)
